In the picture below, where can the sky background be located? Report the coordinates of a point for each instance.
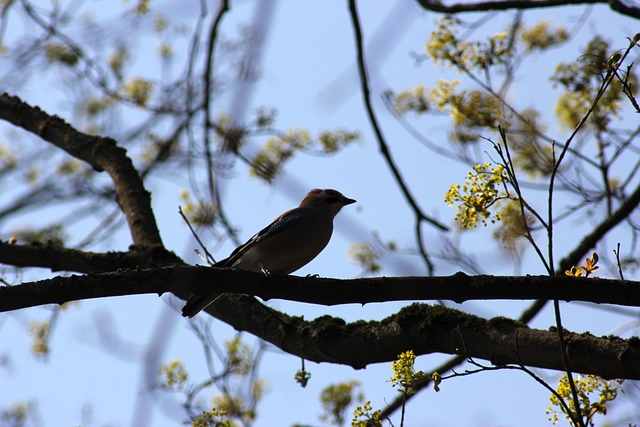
(307, 72)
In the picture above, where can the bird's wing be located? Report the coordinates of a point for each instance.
(279, 224)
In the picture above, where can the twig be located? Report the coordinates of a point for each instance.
(506, 157)
(382, 144)
(210, 259)
(617, 254)
(625, 87)
(208, 77)
(577, 417)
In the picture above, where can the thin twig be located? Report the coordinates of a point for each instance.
(210, 258)
(626, 89)
(382, 144)
(617, 254)
(577, 419)
(506, 157)
(214, 194)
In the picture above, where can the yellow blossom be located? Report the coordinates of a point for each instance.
(478, 194)
(404, 374)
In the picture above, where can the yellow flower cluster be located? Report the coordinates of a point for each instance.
(443, 40)
(201, 213)
(213, 418)
(445, 48)
(231, 407)
(404, 374)
(469, 108)
(174, 376)
(476, 108)
(336, 398)
(514, 227)
(414, 100)
(365, 256)
(39, 338)
(239, 356)
(365, 416)
(443, 92)
(541, 36)
(586, 385)
(437, 380)
(139, 90)
(302, 377)
(332, 141)
(268, 162)
(61, 53)
(478, 194)
(581, 82)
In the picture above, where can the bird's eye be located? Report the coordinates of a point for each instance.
(332, 196)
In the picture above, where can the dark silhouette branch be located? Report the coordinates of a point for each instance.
(485, 6)
(431, 329)
(382, 143)
(425, 329)
(181, 279)
(56, 258)
(212, 185)
(101, 153)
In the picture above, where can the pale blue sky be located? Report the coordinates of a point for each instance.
(308, 74)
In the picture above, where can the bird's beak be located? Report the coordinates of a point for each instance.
(347, 201)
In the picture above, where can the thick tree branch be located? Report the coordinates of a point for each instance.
(430, 329)
(57, 258)
(423, 328)
(485, 6)
(101, 153)
(184, 279)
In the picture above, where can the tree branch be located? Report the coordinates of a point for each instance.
(419, 327)
(183, 279)
(56, 258)
(428, 329)
(423, 328)
(484, 6)
(101, 153)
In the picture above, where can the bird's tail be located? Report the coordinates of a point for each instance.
(196, 303)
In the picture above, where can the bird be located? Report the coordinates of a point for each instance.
(290, 242)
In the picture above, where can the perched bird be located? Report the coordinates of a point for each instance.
(290, 242)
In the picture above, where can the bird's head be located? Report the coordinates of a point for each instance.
(333, 199)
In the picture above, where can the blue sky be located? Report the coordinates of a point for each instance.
(308, 74)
